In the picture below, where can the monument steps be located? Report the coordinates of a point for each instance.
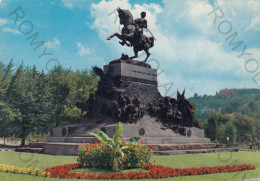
(30, 150)
(67, 145)
(81, 135)
(37, 145)
(191, 146)
(71, 139)
(57, 148)
(179, 152)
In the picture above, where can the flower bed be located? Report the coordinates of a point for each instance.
(155, 172)
(21, 170)
(99, 155)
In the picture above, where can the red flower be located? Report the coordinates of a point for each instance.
(77, 150)
(155, 172)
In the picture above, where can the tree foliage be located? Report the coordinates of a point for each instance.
(239, 128)
(34, 102)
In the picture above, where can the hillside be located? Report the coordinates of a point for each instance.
(244, 101)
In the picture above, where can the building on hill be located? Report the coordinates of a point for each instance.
(227, 92)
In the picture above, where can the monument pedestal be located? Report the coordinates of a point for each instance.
(127, 92)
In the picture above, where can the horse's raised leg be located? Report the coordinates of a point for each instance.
(147, 53)
(115, 34)
(123, 42)
(136, 54)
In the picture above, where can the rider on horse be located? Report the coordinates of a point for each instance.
(132, 33)
(141, 22)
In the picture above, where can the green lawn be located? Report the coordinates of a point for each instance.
(176, 161)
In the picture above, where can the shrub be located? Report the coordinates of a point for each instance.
(100, 155)
(117, 147)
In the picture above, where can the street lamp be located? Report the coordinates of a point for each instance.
(227, 139)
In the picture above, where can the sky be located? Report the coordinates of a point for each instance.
(201, 46)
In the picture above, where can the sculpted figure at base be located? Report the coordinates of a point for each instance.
(173, 111)
(127, 108)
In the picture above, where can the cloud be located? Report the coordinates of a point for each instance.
(83, 50)
(3, 21)
(254, 24)
(67, 4)
(10, 30)
(189, 49)
(71, 4)
(243, 14)
(54, 44)
(2, 5)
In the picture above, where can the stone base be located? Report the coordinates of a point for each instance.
(56, 148)
(179, 152)
(61, 148)
(131, 72)
(148, 127)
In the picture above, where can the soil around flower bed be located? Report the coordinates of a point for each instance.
(153, 172)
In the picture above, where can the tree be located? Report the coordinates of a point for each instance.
(17, 98)
(27, 94)
(256, 120)
(33, 101)
(226, 130)
(213, 123)
(195, 95)
(60, 87)
(196, 121)
(5, 78)
(219, 127)
(252, 105)
(7, 115)
(68, 87)
(230, 131)
(245, 128)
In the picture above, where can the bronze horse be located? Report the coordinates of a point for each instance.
(130, 36)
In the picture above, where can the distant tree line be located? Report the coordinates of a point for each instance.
(240, 129)
(244, 101)
(236, 116)
(32, 101)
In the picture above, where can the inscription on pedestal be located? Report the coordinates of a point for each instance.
(132, 72)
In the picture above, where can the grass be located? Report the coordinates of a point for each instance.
(176, 161)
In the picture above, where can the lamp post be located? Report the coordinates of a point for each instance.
(227, 139)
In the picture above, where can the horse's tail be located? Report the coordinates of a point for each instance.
(152, 41)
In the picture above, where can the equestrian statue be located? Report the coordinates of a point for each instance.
(132, 33)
